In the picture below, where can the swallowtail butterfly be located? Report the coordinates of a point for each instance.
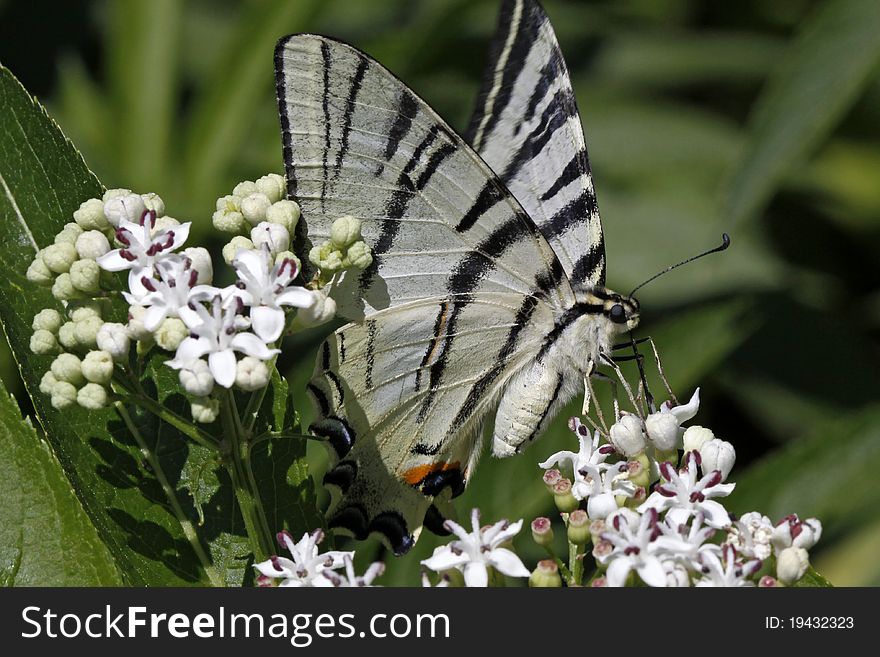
(487, 285)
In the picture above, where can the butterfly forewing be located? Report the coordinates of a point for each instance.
(526, 126)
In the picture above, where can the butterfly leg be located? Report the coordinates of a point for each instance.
(608, 360)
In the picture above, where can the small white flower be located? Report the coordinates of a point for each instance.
(695, 437)
(67, 335)
(113, 338)
(791, 531)
(92, 244)
(605, 486)
(474, 552)
(251, 374)
(244, 188)
(219, 335)
(683, 412)
(589, 454)
(350, 579)
(792, 564)
(265, 288)
(724, 569)
(307, 565)
(684, 543)
(718, 455)
(170, 294)
(272, 235)
(632, 538)
(142, 249)
(662, 429)
(628, 435)
(231, 248)
(751, 535)
(124, 207)
(684, 494)
(196, 378)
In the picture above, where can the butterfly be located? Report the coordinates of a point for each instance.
(486, 292)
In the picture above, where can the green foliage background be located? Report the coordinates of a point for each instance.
(760, 119)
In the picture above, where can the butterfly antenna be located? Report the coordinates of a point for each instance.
(725, 242)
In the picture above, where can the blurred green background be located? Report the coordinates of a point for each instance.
(757, 118)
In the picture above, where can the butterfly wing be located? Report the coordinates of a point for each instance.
(358, 142)
(401, 435)
(527, 128)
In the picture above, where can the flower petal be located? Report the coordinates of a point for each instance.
(716, 514)
(651, 571)
(251, 345)
(154, 315)
(559, 458)
(618, 571)
(506, 562)
(112, 261)
(685, 412)
(444, 559)
(298, 297)
(476, 575)
(188, 351)
(267, 322)
(181, 232)
(254, 261)
(222, 364)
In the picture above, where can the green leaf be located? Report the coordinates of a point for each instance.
(833, 57)
(813, 579)
(43, 179)
(46, 539)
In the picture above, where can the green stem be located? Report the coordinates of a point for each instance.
(188, 530)
(575, 564)
(563, 569)
(256, 400)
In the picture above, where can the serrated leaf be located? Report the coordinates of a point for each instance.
(46, 539)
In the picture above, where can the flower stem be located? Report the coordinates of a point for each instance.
(575, 564)
(188, 530)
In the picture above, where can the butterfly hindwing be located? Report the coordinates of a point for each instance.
(526, 126)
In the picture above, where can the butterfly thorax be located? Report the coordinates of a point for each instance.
(590, 325)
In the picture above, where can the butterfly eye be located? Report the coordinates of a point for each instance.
(617, 314)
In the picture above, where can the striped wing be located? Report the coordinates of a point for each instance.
(359, 142)
(401, 433)
(526, 126)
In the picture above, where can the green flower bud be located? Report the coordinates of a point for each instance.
(63, 395)
(86, 332)
(115, 193)
(562, 496)
(695, 436)
(244, 188)
(596, 528)
(85, 311)
(128, 207)
(251, 374)
(136, 328)
(639, 471)
(288, 255)
(38, 272)
(67, 335)
(86, 276)
(47, 383)
(579, 527)
(68, 234)
(90, 215)
(232, 247)
(359, 255)
(97, 367)
(63, 289)
(545, 575)
(170, 333)
(48, 319)
(43, 342)
(67, 367)
(228, 217)
(284, 213)
(164, 223)
(154, 202)
(92, 396)
(205, 409)
(345, 231)
(92, 244)
(254, 206)
(272, 185)
(59, 257)
(326, 257)
(542, 531)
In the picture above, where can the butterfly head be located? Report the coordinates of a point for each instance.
(621, 311)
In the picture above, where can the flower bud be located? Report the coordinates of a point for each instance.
(359, 255)
(326, 257)
(639, 471)
(791, 564)
(288, 255)
(201, 262)
(85, 311)
(59, 257)
(545, 575)
(597, 526)
(92, 244)
(113, 338)
(68, 234)
(163, 223)
(244, 188)
(97, 367)
(196, 379)
(85, 275)
(63, 289)
(115, 193)
(90, 215)
(125, 207)
(38, 272)
(154, 202)
(272, 235)
(170, 333)
(205, 409)
(47, 382)
(43, 342)
(67, 335)
(767, 582)
(602, 505)
(717, 455)
(67, 367)
(627, 436)
(251, 374)
(272, 185)
(284, 213)
(234, 246)
(601, 548)
(579, 527)
(228, 217)
(92, 396)
(562, 496)
(551, 478)
(695, 436)
(542, 531)
(63, 395)
(47, 319)
(662, 429)
(321, 311)
(599, 583)
(345, 231)
(254, 206)
(86, 331)
(135, 326)
(811, 532)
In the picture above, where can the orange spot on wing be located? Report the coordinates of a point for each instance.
(414, 476)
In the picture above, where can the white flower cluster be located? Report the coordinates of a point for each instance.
(680, 534)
